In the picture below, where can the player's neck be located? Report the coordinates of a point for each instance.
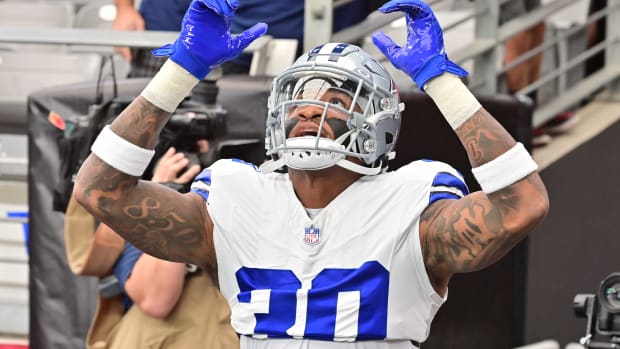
(317, 188)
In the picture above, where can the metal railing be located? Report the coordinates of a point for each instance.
(486, 72)
(485, 51)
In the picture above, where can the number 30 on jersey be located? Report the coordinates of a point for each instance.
(339, 304)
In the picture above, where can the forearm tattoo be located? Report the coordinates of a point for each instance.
(141, 123)
(484, 138)
(476, 231)
(157, 220)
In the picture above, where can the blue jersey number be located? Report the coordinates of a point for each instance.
(370, 281)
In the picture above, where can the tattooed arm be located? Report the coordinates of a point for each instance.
(468, 234)
(157, 220)
(474, 232)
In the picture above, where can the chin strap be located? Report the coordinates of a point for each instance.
(351, 166)
(271, 165)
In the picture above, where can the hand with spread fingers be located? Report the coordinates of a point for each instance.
(423, 57)
(205, 40)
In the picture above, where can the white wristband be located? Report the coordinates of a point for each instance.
(169, 86)
(121, 154)
(505, 169)
(453, 98)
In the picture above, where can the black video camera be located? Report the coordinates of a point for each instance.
(602, 312)
(197, 118)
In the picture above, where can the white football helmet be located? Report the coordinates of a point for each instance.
(340, 82)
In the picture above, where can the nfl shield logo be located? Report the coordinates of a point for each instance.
(311, 235)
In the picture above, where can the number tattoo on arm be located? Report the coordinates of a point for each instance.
(157, 220)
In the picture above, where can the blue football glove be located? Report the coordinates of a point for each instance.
(424, 56)
(205, 40)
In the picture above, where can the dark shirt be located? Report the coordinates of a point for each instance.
(286, 19)
(164, 15)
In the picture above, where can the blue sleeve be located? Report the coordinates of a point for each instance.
(123, 267)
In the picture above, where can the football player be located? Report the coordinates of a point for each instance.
(322, 246)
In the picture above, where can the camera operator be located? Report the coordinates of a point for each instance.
(158, 300)
(150, 283)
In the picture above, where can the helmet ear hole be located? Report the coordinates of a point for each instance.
(381, 161)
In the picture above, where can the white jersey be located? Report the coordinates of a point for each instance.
(352, 276)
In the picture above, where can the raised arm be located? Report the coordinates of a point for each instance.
(156, 219)
(472, 233)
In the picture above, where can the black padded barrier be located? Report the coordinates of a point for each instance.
(578, 244)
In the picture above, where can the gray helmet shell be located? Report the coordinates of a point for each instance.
(373, 117)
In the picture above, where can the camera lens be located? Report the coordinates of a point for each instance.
(609, 293)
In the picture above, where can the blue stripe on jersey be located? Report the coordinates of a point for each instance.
(204, 176)
(441, 195)
(445, 179)
(336, 52)
(204, 194)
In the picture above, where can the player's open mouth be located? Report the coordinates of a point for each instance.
(306, 129)
(310, 129)
(308, 133)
